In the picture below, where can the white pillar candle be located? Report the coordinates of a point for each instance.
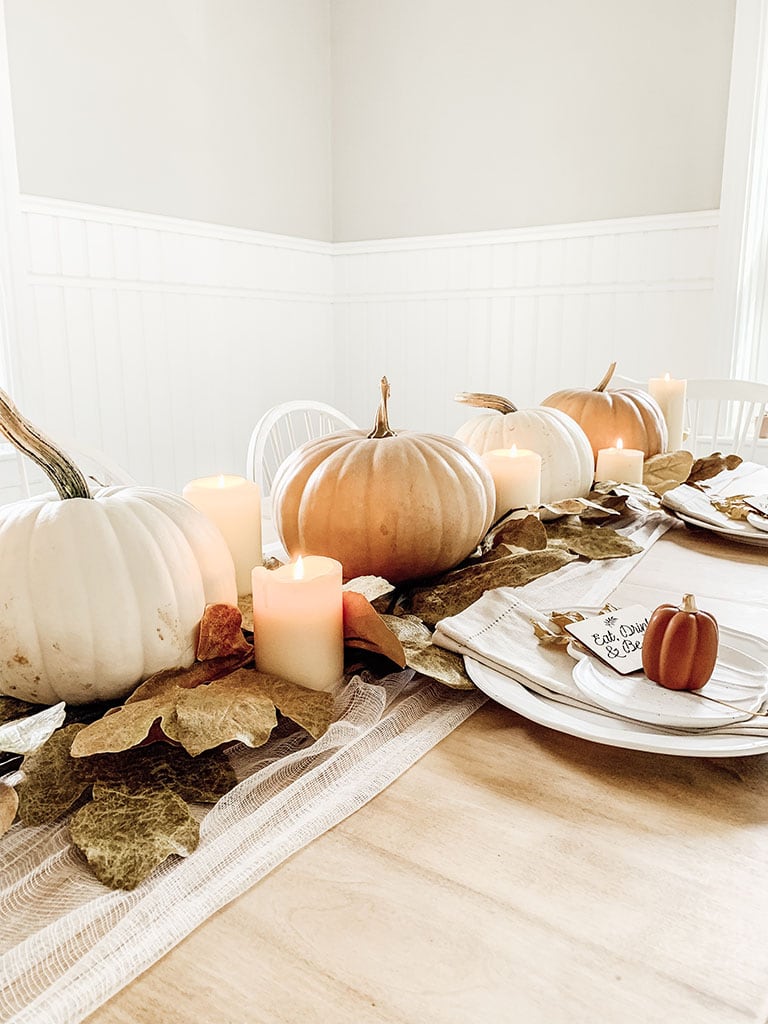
(516, 476)
(670, 394)
(621, 465)
(298, 631)
(234, 505)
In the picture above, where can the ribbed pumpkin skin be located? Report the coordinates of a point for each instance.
(605, 416)
(567, 463)
(680, 647)
(98, 594)
(401, 507)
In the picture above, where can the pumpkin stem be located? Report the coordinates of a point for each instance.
(381, 427)
(689, 603)
(485, 401)
(56, 464)
(606, 379)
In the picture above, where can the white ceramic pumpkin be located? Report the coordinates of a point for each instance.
(567, 465)
(98, 592)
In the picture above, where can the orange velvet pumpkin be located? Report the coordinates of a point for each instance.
(680, 646)
(628, 414)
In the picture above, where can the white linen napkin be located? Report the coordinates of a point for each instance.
(748, 478)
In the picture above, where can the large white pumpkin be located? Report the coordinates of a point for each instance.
(567, 464)
(98, 593)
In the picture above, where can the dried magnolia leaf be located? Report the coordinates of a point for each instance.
(594, 542)
(270, 562)
(663, 472)
(364, 628)
(526, 534)
(23, 735)
(310, 709)
(53, 781)
(547, 637)
(245, 607)
(11, 708)
(462, 588)
(705, 469)
(734, 507)
(9, 803)
(202, 779)
(221, 633)
(125, 836)
(605, 506)
(370, 587)
(422, 655)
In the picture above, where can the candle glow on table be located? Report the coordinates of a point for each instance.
(670, 394)
(234, 505)
(620, 464)
(516, 476)
(298, 629)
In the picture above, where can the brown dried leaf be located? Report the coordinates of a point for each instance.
(221, 633)
(734, 507)
(604, 506)
(594, 542)
(663, 472)
(11, 709)
(53, 781)
(9, 804)
(370, 587)
(125, 836)
(245, 607)
(310, 709)
(423, 656)
(364, 628)
(547, 637)
(463, 587)
(526, 534)
(706, 468)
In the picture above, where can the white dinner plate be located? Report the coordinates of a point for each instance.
(737, 679)
(758, 522)
(599, 727)
(756, 538)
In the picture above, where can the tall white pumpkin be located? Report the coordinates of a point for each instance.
(567, 463)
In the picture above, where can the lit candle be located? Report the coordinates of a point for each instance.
(670, 394)
(234, 505)
(297, 621)
(516, 476)
(621, 465)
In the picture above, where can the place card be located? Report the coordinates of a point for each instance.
(615, 637)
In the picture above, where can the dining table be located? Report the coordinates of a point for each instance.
(515, 873)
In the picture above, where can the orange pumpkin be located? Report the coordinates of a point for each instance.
(399, 505)
(628, 414)
(680, 646)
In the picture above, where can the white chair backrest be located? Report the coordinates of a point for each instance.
(99, 471)
(727, 416)
(281, 430)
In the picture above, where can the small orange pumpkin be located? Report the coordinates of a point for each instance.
(607, 416)
(680, 646)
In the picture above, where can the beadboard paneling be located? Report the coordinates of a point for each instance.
(522, 313)
(161, 342)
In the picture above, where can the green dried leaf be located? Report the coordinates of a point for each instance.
(310, 709)
(365, 629)
(125, 836)
(9, 804)
(54, 781)
(663, 472)
(527, 534)
(423, 656)
(594, 542)
(202, 779)
(11, 709)
(604, 506)
(463, 587)
(706, 468)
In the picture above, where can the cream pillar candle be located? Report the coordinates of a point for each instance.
(670, 394)
(516, 476)
(620, 464)
(298, 628)
(234, 505)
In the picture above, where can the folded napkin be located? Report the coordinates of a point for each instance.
(748, 478)
(497, 631)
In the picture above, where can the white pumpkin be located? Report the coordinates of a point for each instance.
(99, 592)
(567, 463)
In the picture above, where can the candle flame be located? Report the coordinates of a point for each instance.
(513, 450)
(619, 444)
(666, 378)
(298, 569)
(221, 481)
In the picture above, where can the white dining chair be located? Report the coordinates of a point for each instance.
(727, 416)
(280, 431)
(99, 469)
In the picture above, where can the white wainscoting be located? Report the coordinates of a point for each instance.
(161, 341)
(522, 313)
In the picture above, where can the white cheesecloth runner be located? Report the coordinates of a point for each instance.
(67, 943)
